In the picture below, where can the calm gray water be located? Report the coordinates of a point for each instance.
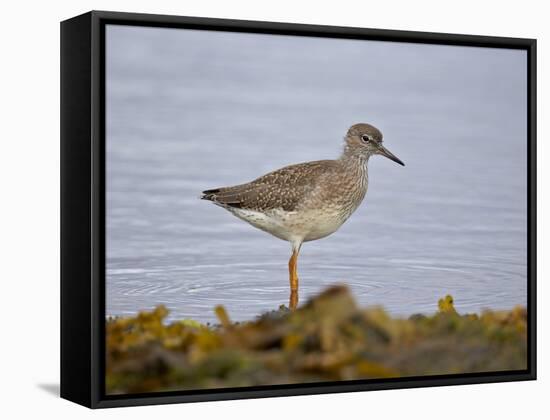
(191, 110)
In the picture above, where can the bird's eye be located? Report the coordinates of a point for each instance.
(365, 138)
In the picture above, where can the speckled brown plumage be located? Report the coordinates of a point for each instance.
(287, 188)
(306, 201)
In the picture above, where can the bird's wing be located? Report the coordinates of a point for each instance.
(284, 188)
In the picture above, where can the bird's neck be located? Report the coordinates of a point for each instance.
(350, 158)
(355, 164)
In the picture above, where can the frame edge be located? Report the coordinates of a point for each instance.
(75, 136)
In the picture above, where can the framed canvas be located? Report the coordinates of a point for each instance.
(256, 209)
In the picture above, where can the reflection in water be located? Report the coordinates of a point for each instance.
(190, 110)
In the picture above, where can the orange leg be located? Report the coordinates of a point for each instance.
(293, 300)
(293, 274)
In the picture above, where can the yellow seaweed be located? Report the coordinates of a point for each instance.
(329, 338)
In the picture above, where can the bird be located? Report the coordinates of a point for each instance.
(306, 201)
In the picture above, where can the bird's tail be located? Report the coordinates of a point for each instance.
(225, 197)
(210, 194)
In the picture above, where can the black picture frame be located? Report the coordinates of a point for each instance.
(83, 207)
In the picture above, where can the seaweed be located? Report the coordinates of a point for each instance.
(328, 339)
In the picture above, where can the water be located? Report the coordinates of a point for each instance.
(192, 110)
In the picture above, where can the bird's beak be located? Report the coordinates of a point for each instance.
(385, 152)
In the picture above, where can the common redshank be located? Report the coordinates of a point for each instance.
(306, 201)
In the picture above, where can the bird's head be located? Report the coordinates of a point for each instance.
(364, 140)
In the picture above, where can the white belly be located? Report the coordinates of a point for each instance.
(300, 226)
